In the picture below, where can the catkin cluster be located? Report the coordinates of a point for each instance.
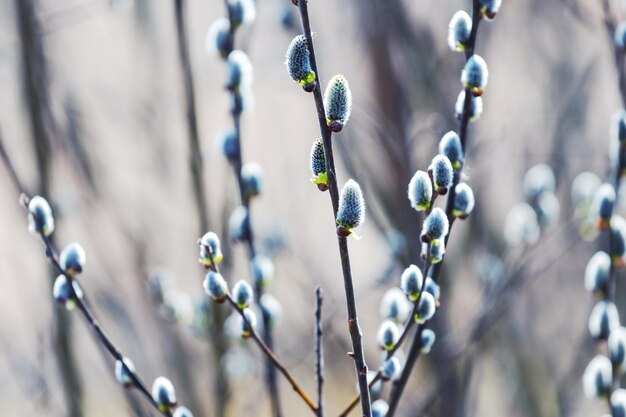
(68, 294)
(596, 206)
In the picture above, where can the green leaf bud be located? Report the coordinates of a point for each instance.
(450, 146)
(298, 62)
(475, 75)
(435, 226)
(420, 191)
(252, 179)
(463, 201)
(163, 394)
(318, 165)
(210, 247)
(442, 174)
(337, 103)
(437, 251)
(459, 31)
(215, 286)
(426, 308)
(388, 335)
(242, 294)
(351, 211)
(248, 325)
(411, 282)
(62, 294)
(489, 8)
(72, 259)
(40, 219)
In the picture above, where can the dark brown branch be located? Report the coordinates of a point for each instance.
(616, 176)
(195, 153)
(196, 169)
(319, 352)
(618, 53)
(353, 322)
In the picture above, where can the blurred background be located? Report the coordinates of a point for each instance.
(93, 112)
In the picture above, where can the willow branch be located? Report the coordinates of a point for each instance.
(93, 323)
(264, 347)
(270, 374)
(353, 322)
(319, 352)
(414, 351)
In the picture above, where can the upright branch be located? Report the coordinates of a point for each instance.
(249, 175)
(196, 164)
(319, 352)
(617, 41)
(196, 170)
(326, 124)
(462, 37)
(601, 378)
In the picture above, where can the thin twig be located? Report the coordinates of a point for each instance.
(319, 352)
(94, 324)
(618, 54)
(196, 169)
(275, 361)
(353, 322)
(266, 333)
(263, 346)
(196, 164)
(17, 183)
